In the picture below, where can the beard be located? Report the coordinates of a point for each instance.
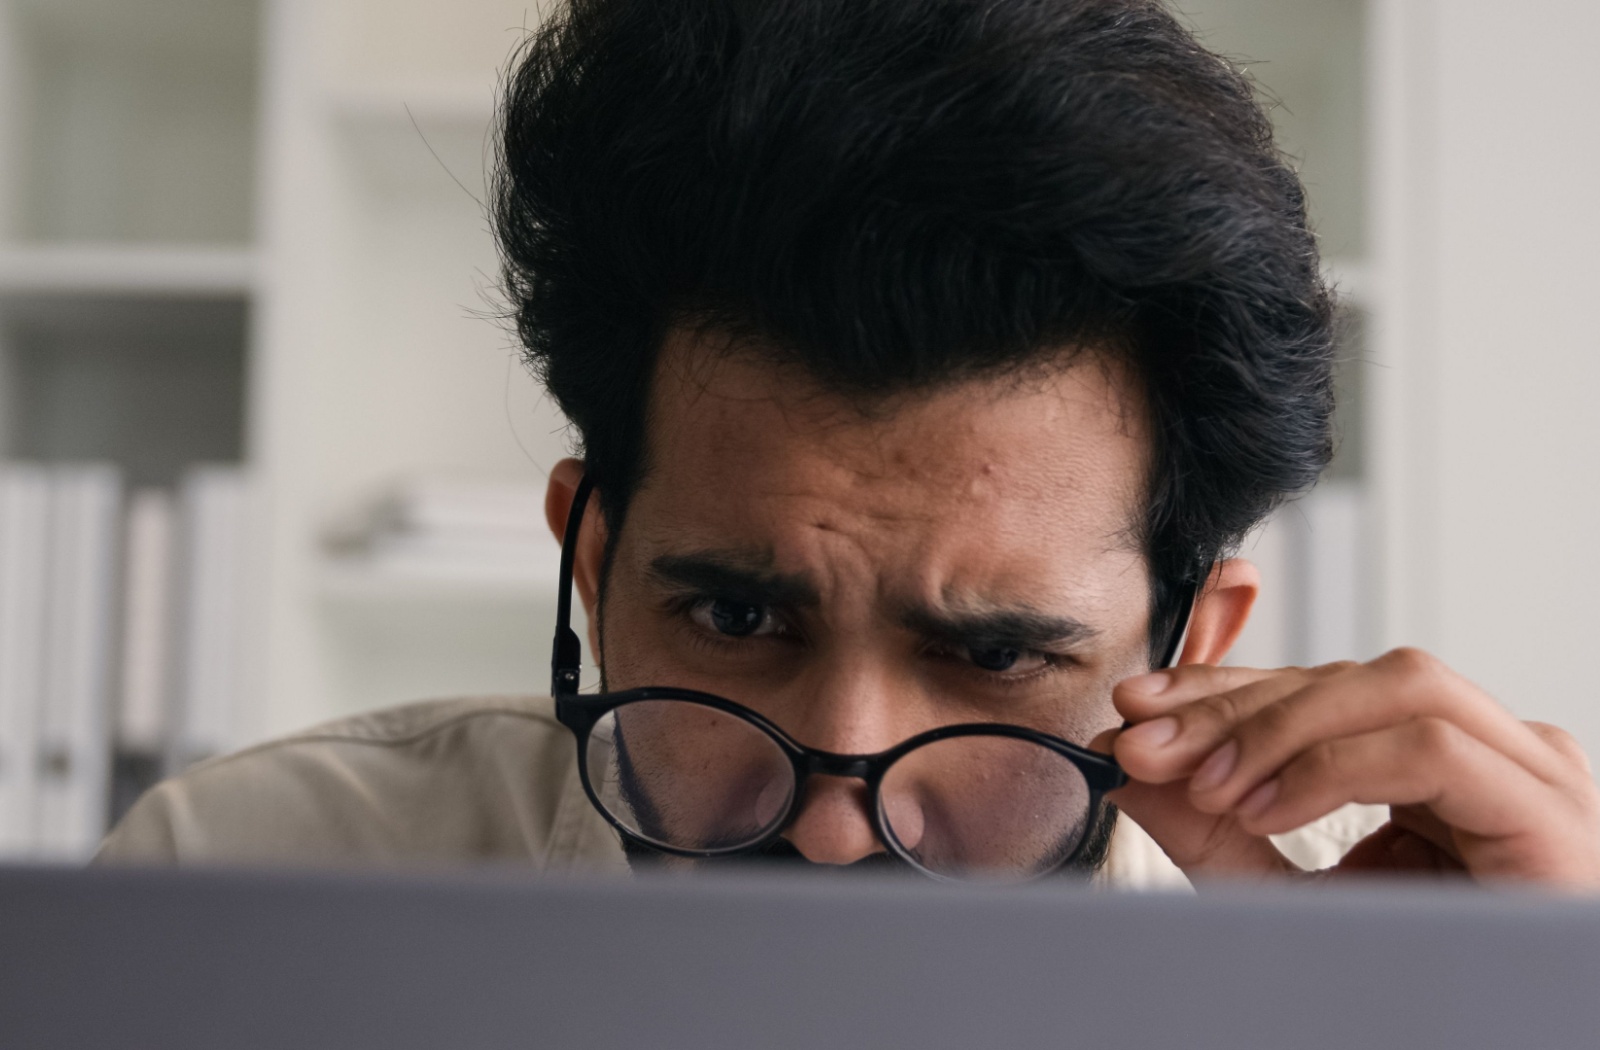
(780, 855)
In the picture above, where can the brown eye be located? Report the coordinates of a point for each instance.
(1002, 659)
(733, 619)
(994, 659)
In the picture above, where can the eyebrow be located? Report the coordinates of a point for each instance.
(741, 576)
(1020, 628)
(748, 576)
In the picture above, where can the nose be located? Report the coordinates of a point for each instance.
(855, 707)
(834, 825)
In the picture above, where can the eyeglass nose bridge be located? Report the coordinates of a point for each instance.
(825, 763)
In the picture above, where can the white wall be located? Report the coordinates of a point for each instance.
(1487, 222)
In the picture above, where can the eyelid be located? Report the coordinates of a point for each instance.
(1049, 662)
(1064, 651)
(688, 604)
(683, 597)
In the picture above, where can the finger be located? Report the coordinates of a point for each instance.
(1172, 746)
(1362, 698)
(1425, 824)
(1150, 695)
(1506, 821)
(1564, 744)
(1200, 844)
(1105, 743)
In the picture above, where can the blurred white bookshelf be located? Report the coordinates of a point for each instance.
(351, 584)
(128, 278)
(383, 357)
(271, 210)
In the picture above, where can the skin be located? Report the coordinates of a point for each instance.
(883, 546)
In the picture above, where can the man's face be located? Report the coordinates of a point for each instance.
(967, 555)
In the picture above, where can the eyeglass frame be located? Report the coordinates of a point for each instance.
(581, 713)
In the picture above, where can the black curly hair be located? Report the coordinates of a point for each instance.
(898, 194)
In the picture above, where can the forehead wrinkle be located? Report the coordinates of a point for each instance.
(867, 475)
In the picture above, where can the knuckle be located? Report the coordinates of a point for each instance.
(1321, 762)
(1189, 673)
(1439, 738)
(1411, 663)
(1563, 742)
(1274, 720)
(1337, 667)
(1222, 709)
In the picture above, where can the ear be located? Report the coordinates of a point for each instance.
(1221, 611)
(558, 497)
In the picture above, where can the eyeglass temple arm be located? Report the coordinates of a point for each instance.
(566, 652)
(1180, 630)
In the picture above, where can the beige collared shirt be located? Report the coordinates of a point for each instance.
(469, 781)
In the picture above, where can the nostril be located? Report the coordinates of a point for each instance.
(834, 825)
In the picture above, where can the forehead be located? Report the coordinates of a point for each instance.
(1062, 447)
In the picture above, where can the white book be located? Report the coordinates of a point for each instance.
(74, 725)
(24, 510)
(215, 513)
(147, 614)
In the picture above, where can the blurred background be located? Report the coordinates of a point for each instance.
(269, 456)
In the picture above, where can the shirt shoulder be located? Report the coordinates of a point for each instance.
(444, 781)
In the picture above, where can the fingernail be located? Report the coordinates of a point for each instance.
(1259, 800)
(1148, 684)
(1215, 770)
(1157, 733)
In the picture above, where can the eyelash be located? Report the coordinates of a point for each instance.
(681, 609)
(1050, 664)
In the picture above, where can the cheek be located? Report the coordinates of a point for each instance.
(634, 639)
(1093, 717)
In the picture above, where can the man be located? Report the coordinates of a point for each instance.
(928, 359)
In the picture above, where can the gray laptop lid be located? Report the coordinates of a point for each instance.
(218, 960)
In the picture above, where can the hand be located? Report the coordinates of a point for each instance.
(1222, 757)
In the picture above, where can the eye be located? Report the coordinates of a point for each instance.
(1000, 660)
(733, 619)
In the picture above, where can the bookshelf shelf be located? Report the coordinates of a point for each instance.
(61, 270)
(353, 584)
(400, 635)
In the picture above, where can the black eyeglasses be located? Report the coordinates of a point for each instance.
(697, 775)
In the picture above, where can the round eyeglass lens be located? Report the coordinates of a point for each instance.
(688, 776)
(985, 807)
